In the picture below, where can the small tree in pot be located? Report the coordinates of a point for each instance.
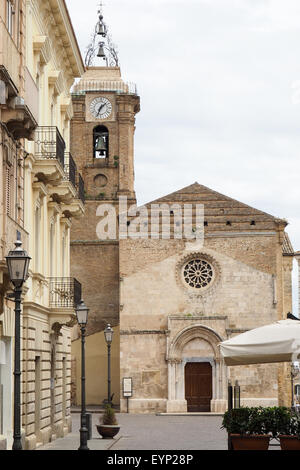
(289, 431)
(108, 427)
(249, 428)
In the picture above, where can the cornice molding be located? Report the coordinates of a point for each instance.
(41, 46)
(55, 79)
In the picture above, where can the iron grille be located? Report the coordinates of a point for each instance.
(49, 144)
(81, 188)
(70, 169)
(65, 292)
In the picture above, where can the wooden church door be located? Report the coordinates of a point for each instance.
(198, 386)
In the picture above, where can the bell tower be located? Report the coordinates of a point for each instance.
(103, 130)
(102, 145)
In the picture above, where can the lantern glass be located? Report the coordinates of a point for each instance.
(108, 333)
(18, 265)
(82, 313)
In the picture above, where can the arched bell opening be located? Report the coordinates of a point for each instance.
(101, 142)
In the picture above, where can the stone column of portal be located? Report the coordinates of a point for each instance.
(214, 384)
(174, 405)
(171, 384)
(218, 403)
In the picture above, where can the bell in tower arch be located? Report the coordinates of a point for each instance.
(100, 142)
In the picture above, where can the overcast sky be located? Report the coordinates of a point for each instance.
(219, 82)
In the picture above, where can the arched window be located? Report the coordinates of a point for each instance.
(100, 142)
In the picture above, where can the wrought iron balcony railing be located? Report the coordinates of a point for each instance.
(49, 144)
(70, 169)
(80, 188)
(65, 292)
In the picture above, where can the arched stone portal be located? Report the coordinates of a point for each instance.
(197, 344)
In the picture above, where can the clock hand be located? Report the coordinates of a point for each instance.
(100, 109)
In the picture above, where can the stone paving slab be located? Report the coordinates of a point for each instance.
(72, 440)
(151, 432)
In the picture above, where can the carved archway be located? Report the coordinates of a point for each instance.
(194, 332)
(176, 367)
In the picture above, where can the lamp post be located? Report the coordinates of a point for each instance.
(82, 318)
(108, 334)
(18, 264)
(295, 369)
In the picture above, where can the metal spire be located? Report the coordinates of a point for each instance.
(105, 48)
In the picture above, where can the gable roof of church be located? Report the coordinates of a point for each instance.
(216, 204)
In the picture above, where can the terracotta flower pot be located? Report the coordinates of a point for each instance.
(251, 442)
(106, 431)
(289, 442)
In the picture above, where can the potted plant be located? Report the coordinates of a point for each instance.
(108, 427)
(289, 431)
(249, 428)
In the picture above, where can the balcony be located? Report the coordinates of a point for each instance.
(49, 144)
(80, 188)
(64, 292)
(9, 57)
(70, 169)
(49, 155)
(19, 111)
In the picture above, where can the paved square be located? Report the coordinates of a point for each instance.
(151, 432)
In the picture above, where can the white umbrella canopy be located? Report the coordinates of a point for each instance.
(278, 342)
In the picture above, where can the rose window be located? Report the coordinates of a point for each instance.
(198, 273)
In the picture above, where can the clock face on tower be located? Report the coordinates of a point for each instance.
(101, 108)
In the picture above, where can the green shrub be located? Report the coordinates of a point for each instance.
(236, 421)
(109, 416)
(278, 420)
(294, 428)
(259, 420)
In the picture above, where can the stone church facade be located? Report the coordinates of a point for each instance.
(171, 327)
(174, 300)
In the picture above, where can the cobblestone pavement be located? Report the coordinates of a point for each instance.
(151, 432)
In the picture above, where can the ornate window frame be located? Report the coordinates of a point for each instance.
(198, 292)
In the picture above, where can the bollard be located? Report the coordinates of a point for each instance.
(237, 395)
(230, 396)
(89, 426)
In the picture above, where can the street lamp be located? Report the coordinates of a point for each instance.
(82, 317)
(18, 265)
(295, 369)
(108, 334)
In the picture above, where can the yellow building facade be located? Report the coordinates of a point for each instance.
(53, 195)
(18, 120)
